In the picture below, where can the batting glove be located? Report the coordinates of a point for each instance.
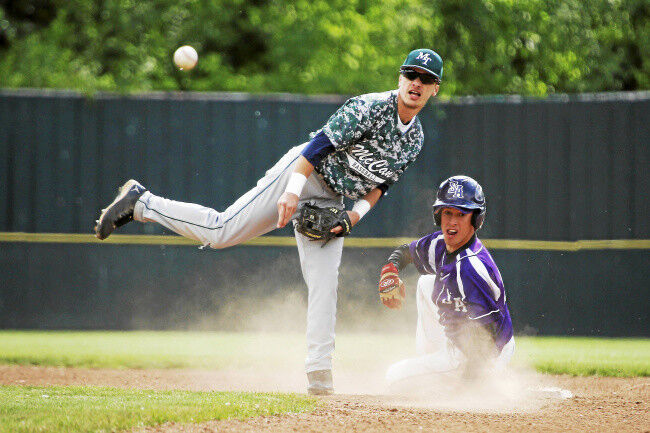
(391, 289)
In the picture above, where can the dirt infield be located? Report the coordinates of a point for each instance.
(598, 405)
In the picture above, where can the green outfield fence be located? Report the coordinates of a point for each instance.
(565, 177)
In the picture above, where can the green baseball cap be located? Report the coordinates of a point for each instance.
(426, 59)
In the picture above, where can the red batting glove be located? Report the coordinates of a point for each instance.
(391, 289)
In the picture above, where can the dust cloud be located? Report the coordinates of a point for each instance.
(369, 339)
(513, 390)
(269, 307)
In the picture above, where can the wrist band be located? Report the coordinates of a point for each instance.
(296, 183)
(361, 207)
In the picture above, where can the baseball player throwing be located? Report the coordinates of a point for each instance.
(359, 153)
(466, 295)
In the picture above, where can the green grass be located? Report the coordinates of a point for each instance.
(558, 355)
(579, 356)
(80, 409)
(133, 349)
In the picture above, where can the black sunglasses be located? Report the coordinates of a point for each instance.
(411, 75)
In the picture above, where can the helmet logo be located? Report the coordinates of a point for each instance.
(424, 57)
(455, 190)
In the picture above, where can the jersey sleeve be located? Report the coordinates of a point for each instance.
(420, 253)
(401, 257)
(319, 146)
(348, 123)
(482, 290)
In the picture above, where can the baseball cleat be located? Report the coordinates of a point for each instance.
(320, 382)
(120, 211)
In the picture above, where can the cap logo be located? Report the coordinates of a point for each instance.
(455, 190)
(424, 57)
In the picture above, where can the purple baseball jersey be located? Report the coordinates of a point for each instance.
(468, 285)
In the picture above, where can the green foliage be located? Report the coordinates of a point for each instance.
(79, 409)
(532, 47)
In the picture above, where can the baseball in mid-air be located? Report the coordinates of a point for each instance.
(185, 58)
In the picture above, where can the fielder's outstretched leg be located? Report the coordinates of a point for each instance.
(253, 214)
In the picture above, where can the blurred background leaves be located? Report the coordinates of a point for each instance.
(529, 47)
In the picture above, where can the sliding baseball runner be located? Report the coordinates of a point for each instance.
(466, 294)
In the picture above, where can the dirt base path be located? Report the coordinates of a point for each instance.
(599, 404)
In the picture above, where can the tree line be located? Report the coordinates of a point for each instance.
(528, 47)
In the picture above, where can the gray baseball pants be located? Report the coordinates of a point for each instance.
(254, 214)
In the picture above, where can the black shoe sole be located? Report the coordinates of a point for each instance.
(119, 212)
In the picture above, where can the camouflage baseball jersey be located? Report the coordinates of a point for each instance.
(369, 147)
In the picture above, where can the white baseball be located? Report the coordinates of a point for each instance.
(185, 57)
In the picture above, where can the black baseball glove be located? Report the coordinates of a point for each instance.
(317, 222)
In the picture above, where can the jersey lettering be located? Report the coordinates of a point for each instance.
(373, 165)
(363, 162)
(459, 305)
(359, 168)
